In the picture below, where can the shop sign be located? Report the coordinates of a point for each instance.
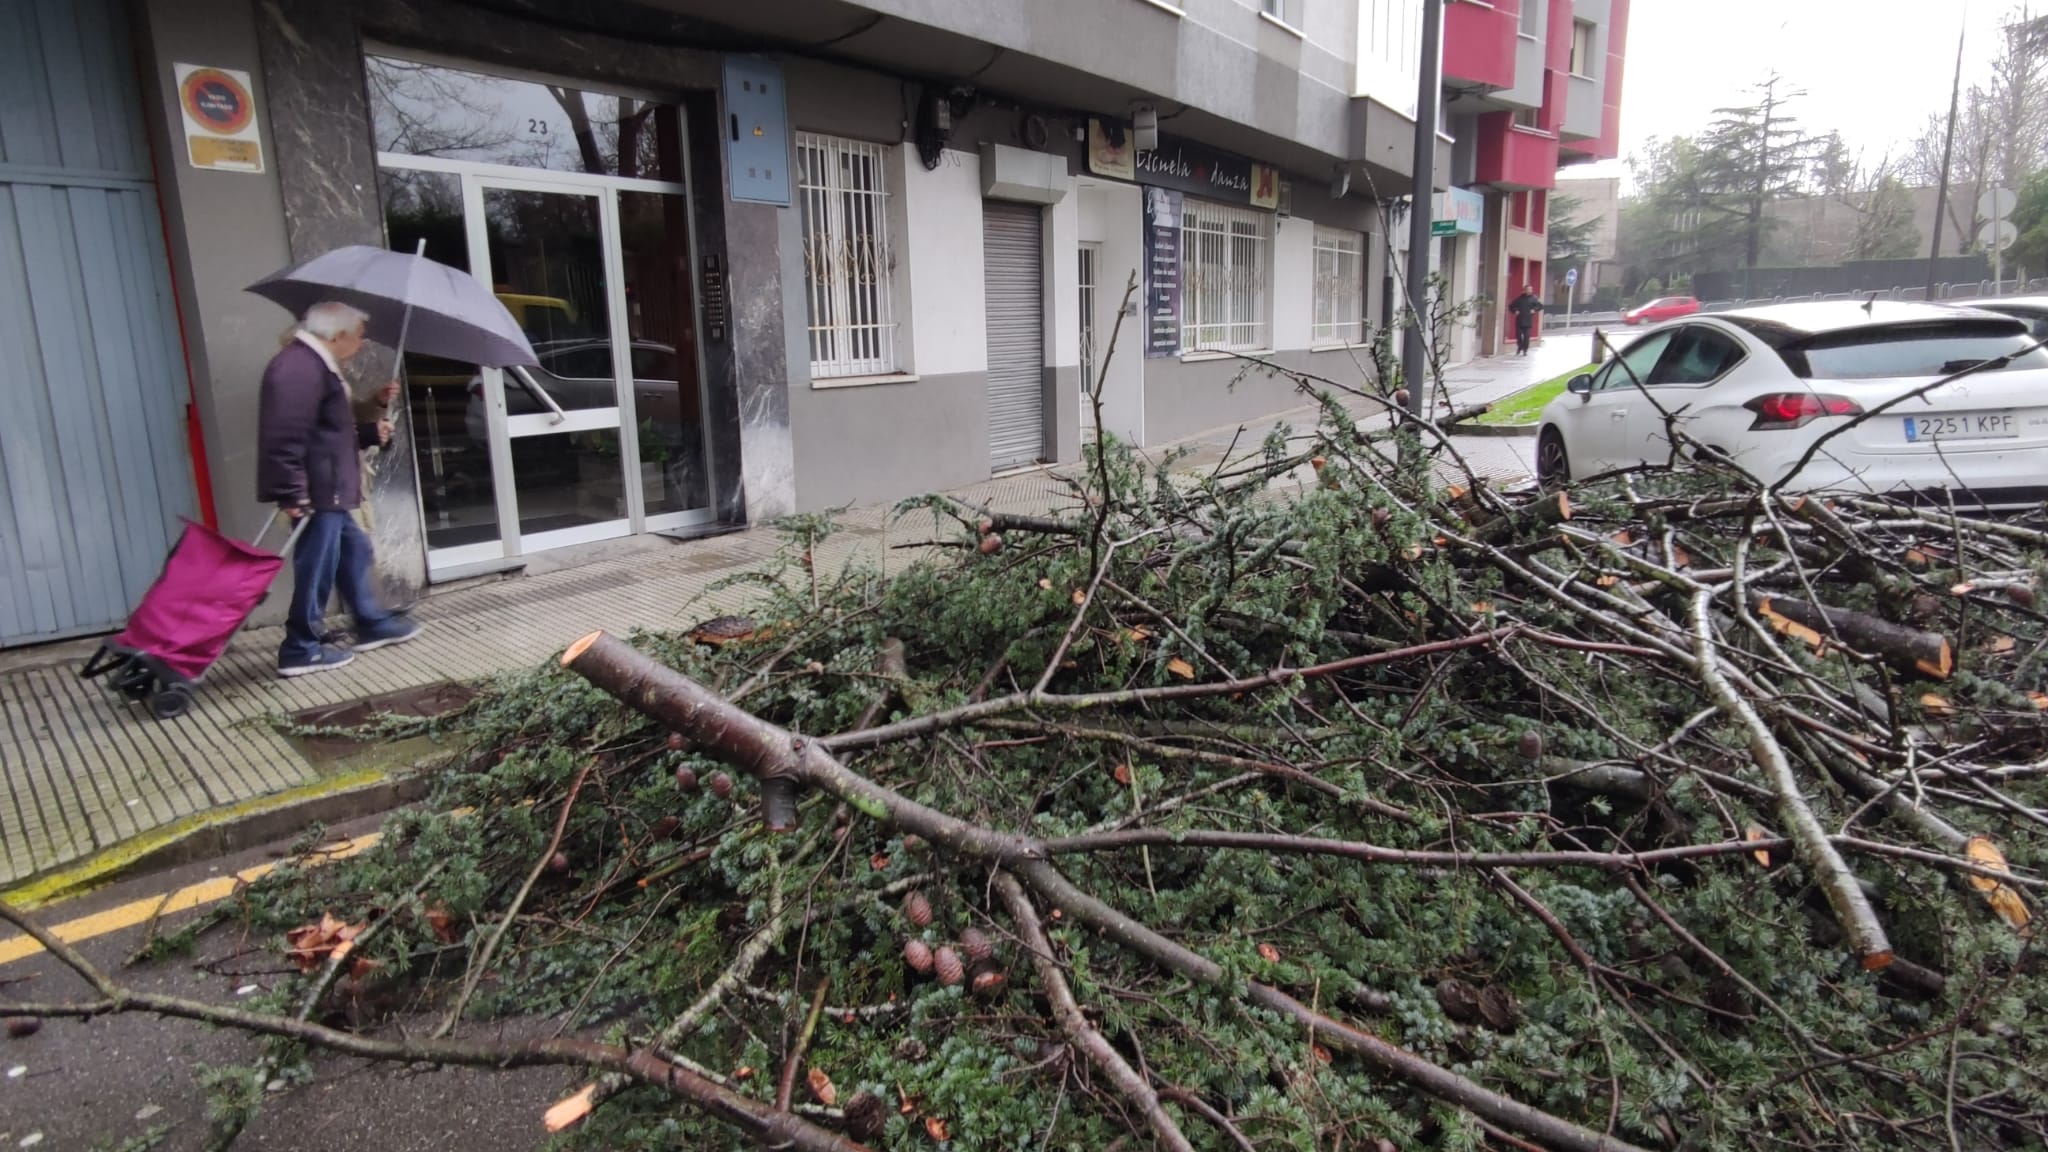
(1183, 166)
(1162, 272)
(1459, 210)
(219, 110)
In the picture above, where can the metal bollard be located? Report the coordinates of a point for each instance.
(1599, 347)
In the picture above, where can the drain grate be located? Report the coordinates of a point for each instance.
(428, 700)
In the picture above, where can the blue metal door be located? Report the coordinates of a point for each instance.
(94, 468)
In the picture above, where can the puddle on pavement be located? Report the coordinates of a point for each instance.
(343, 746)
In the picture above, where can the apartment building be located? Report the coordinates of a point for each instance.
(778, 256)
(1529, 86)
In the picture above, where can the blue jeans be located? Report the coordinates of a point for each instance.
(332, 554)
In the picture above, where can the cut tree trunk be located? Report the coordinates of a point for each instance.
(1550, 510)
(1911, 650)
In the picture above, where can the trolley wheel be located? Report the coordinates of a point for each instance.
(137, 684)
(170, 702)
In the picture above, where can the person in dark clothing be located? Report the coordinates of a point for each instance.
(1525, 307)
(309, 465)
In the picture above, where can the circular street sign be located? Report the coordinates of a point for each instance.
(1997, 204)
(1997, 235)
(1571, 277)
(217, 101)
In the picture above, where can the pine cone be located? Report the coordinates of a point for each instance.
(1460, 1001)
(1531, 745)
(918, 909)
(918, 955)
(866, 1116)
(977, 945)
(1498, 1007)
(721, 786)
(951, 971)
(665, 827)
(686, 779)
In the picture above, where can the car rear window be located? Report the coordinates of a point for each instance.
(1902, 350)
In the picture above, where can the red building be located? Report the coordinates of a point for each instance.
(1529, 86)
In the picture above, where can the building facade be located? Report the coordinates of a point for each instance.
(773, 257)
(1529, 86)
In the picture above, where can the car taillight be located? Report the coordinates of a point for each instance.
(1781, 410)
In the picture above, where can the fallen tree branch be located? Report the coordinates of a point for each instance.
(1852, 908)
(754, 745)
(1080, 1033)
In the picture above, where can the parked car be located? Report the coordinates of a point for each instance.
(1760, 385)
(2032, 309)
(1661, 309)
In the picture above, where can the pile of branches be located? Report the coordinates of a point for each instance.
(1309, 803)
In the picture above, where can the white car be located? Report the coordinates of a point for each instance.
(2032, 309)
(1761, 385)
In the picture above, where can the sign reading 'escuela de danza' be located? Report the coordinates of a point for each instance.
(1183, 166)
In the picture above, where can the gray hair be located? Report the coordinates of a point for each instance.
(330, 319)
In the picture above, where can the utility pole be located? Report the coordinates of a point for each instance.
(1948, 148)
(1415, 350)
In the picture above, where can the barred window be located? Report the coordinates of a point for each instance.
(844, 197)
(1223, 277)
(1340, 287)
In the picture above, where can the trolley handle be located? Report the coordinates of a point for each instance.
(298, 526)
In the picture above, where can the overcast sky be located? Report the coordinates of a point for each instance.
(1873, 69)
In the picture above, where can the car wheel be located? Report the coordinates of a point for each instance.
(1553, 464)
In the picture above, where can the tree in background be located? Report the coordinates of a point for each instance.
(1884, 219)
(1570, 238)
(2001, 130)
(2030, 216)
(1667, 226)
(1752, 155)
(2019, 96)
(1883, 226)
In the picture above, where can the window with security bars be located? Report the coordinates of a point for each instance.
(843, 194)
(1223, 277)
(1340, 287)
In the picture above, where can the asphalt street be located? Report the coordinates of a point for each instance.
(133, 1082)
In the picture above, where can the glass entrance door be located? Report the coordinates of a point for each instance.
(555, 429)
(606, 436)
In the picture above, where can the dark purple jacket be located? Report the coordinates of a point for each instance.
(308, 440)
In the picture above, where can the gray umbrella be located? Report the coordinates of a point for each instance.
(415, 304)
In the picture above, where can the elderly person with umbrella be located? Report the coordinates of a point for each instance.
(307, 465)
(309, 439)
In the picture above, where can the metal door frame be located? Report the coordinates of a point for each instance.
(1087, 276)
(449, 563)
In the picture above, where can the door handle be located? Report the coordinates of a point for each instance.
(1618, 414)
(539, 393)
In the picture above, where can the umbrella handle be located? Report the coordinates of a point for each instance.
(404, 329)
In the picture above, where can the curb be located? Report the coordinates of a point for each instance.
(1502, 430)
(222, 831)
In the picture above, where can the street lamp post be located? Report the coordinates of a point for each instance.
(1415, 349)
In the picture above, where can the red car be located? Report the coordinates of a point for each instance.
(1662, 308)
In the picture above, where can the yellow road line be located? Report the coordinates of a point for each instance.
(137, 912)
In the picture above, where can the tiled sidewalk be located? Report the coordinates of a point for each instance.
(85, 771)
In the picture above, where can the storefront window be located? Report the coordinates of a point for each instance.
(421, 109)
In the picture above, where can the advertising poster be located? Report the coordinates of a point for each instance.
(1162, 272)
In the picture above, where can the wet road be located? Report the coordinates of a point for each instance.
(121, 1082)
